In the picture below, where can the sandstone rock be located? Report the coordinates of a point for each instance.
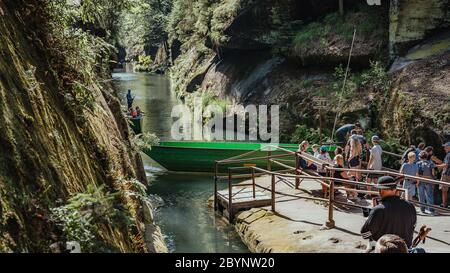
(413, 20)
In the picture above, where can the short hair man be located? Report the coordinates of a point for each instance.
(393, 216)
(375, 160)
(410, 168)
(391, 244)
(445, 174)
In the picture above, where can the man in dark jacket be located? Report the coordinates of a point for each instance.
(393, 216)
(130, 99)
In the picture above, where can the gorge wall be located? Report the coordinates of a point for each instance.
(288, 52)
(50, 150)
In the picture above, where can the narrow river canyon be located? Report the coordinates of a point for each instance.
(180, 200)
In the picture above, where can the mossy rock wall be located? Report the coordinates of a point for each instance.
(413, 20)
(47, 152)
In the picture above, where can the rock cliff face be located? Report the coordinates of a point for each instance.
(417, 107)
(287, 52)
(48, 153)
(413, 20)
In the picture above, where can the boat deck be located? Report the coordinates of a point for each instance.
(243, 198)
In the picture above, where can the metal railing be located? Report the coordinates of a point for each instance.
(299, 175)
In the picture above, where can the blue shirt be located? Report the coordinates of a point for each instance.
(447, 161)
(129, 97)
(426, 167)
(410, 169)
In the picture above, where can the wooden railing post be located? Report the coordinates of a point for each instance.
(297, 171)
(330, 223)
(230, 196)
(216, 171)
(273, 192)
(269, 162)
(254, 183)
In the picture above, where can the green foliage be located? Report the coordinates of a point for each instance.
(366, 21)
(223, 16)
(307, 83)
(146, 141)
(78, 217)
(82, 55)
(81, 97)
(190, 19)
(209, 98)
(144, 63)
(199, 19)
(133, 188)
(302, 132)
(376, 77)
(143, 26)
(309, 33)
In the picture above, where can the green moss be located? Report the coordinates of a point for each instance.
(366, 22)
(223, 15)
(307, 83)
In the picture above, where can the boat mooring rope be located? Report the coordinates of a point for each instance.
(343, 86)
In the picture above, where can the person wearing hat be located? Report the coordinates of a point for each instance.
(445, 174)
(375, 161)
(392, 216)
(315, 149)
(324, 156)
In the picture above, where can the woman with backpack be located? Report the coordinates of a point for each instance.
(426, 169)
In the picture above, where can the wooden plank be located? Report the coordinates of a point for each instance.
(243, 198)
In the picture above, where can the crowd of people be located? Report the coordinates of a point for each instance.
(391, 223)
(351, 157)
(421, 162)
(135, 112)
(358, 154)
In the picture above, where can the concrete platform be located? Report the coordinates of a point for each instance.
(297, 224)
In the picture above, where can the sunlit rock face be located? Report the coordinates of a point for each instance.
(414, 20)
(47, 154)
(416, 108)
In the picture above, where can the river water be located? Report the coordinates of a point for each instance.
(182, 212)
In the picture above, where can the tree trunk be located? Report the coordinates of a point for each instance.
(341, 7)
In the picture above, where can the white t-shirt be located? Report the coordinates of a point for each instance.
(377, 163)
(325, 157)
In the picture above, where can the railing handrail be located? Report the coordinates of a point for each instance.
(390, 173)
(327, 166)
(392, 154)
(257, 171)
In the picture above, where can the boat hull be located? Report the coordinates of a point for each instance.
(136, 125)
(201, 157)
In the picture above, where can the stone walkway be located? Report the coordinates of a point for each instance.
(297, 225)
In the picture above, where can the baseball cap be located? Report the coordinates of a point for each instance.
(376, 139)
(324, 149)
(386, 183)
(446, 144)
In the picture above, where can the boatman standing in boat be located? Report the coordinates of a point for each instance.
(130, 99)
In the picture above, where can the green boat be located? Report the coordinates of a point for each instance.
(136, 124)
(201, 156)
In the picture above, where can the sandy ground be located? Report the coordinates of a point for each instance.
(298, 225)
